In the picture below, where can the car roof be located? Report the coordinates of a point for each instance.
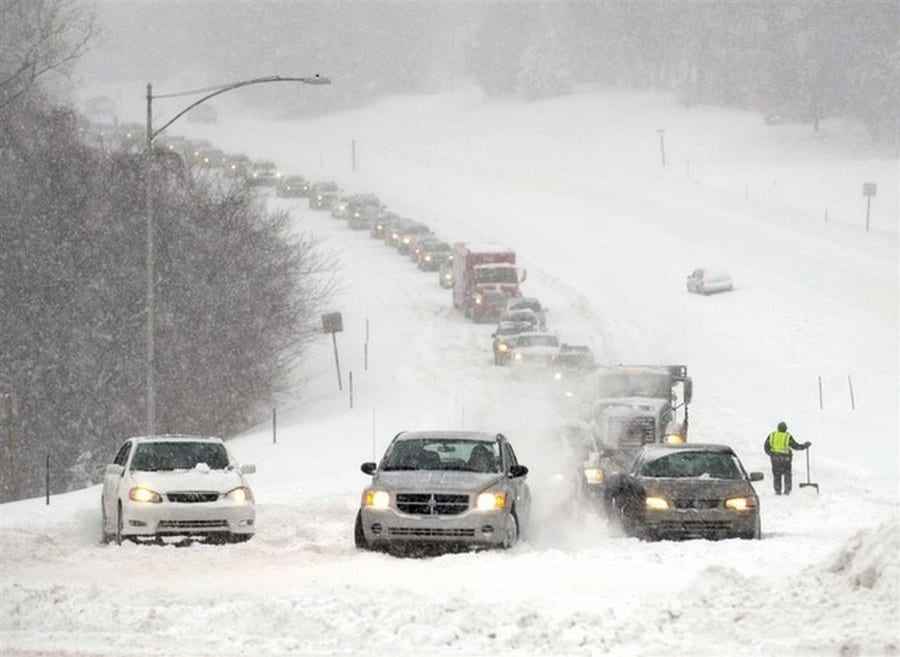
(480, 436)
(176, 438)
(657, 450)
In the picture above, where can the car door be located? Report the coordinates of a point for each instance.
(110, 494)
(519, 485)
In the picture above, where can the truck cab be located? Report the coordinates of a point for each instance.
(485, 276)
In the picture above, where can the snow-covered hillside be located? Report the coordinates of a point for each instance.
(608, 235)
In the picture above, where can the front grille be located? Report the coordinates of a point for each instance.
(191, 496)
(432, 504)
(431, 532)
(694, 527)
(633, 432)
(697, 504)
(192, 525)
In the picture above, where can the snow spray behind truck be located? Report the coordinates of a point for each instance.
(630, 406)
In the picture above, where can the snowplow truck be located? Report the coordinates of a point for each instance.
(484, 277)
(633, 406)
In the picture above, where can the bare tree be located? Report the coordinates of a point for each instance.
(38, 37)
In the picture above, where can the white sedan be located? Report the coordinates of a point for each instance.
(533, 348)
(176, 486)
(708, 281)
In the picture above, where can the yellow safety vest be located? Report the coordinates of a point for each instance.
(780, 442)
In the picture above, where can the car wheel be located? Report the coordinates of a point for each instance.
(239, 538)
(511, 531)
(359, 536)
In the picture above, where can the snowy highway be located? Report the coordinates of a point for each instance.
(607, 237)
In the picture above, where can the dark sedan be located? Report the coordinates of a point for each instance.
(686, 491)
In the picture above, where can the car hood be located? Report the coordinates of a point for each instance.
(696, 487)
(221, 481)
(436, 480)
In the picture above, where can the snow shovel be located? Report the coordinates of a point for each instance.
(808, 482)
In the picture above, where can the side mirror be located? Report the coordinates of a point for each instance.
(115, 470)
(248, 469)
(369, 468)
(523, 276)
(756, 476)
(518, 471)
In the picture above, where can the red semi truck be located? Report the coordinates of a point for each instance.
(484, 277)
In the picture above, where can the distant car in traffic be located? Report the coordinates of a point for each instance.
(362, 210)
(407, 234)
(533, 348)
(445, 274)
(263, 174)
(322, 195)
(290, 186)
(505, 337)
(444, 488)
(176, 486)
(532, 304)
(572, 357)
(690, 490)
(708, 281)
(432, 254)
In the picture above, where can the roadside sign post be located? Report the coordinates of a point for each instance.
(333, 323)
(869, 190)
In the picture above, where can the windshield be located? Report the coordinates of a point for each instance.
(442, 454)
(634, 384)
(496, 275)
(711, 465)
(182, 455)
(537, 341)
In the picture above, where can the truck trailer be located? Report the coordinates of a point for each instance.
(484, 277)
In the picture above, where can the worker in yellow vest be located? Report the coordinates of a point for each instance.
(779, 446)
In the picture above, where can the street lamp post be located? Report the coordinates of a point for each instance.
(209, 92)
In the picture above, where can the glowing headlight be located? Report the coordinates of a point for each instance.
(517, 356)
(240, 494)
(139, 494)
(557, 376)
(490, 501)
(478, 299)
(569, 394)
(377, 499)
(740, 503)
(406, 240)
(657, 503)
(428, 258)
(448, 276)
(674, 439)
(593, 475)
(502, 346)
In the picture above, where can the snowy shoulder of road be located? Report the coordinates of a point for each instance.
(608, 235)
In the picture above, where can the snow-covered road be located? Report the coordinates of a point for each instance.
(607, 237)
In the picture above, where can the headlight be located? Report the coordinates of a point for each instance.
(740, 503)
(240, 494)
(478, 299)
(593, 475)
(674, 439)
(490, 501)
(406, 240)
(517, 356)
(140, 494)
(377, 499)
(502, 346)
(557, 376)
(657, 503)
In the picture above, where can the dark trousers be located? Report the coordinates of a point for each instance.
(781, 471)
